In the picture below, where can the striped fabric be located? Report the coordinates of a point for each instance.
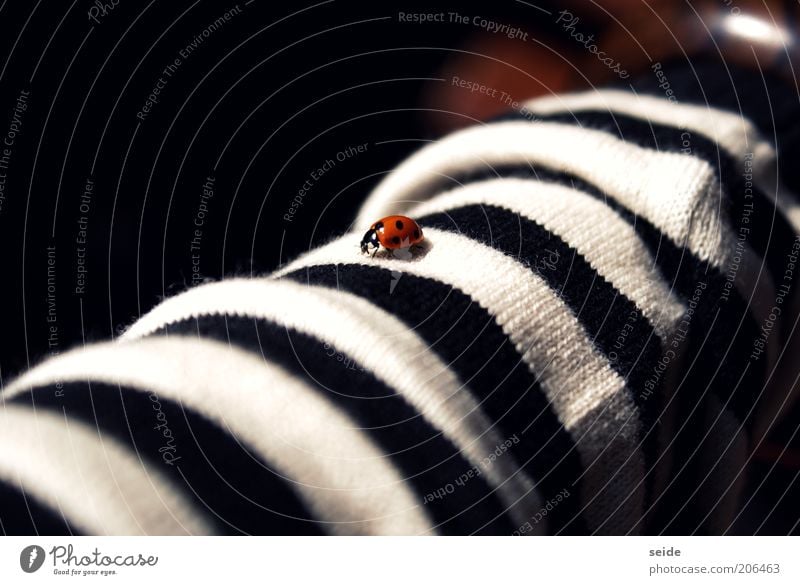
(587, 342)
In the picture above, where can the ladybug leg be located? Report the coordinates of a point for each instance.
(375, 251)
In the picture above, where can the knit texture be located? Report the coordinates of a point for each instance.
(586, 342)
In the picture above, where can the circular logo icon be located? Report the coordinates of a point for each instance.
(31, 558)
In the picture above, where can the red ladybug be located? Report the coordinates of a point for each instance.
(392, 232)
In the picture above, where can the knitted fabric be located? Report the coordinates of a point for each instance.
(585, 343)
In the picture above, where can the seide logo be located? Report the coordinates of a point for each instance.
(31, 558)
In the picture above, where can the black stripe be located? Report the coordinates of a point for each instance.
(683, 270)
(602, 310)
(470, 341)
(769, 101)
(214, 471)
(757, 222)
(768, 231)
(613, 322)
(21, 514)
(427, 459)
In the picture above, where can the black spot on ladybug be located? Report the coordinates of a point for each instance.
(416, 234)
(396, 239)
(398, 224)
(379, 225)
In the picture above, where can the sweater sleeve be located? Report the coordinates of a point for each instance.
(589, 341)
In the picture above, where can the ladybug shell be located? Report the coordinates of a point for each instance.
(397, 231)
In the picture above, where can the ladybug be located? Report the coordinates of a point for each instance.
(392, 232)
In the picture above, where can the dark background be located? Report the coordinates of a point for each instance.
(261, 103)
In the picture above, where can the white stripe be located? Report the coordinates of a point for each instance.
(576, 378)
(346, 480)
(98, 485)
(734, 134)
(379, 342)
(602, 237)
(679, 194)
(737, 137)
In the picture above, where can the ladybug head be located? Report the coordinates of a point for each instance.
(370, 239)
